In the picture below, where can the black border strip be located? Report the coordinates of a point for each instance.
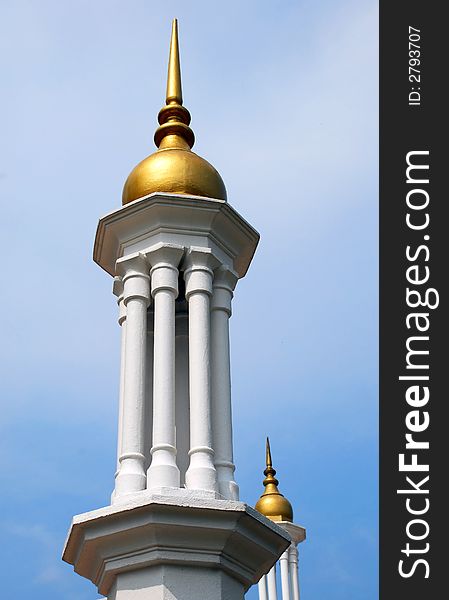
(413, 119)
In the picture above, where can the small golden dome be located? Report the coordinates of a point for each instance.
(272, 503)
(174, 168)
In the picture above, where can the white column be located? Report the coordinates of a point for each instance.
(136, 294)
(201, 474)
(271, 584)
(221, 413)
(293, 565)
(182, 393)
(262, 585)
(285, 583)
(149, 389)
(118, 291)
(163, 470)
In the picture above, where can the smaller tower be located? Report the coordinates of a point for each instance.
(273, 505)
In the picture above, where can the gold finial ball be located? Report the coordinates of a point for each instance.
(174, 170)
(275, 506)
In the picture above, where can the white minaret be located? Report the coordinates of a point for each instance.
(175, 528)
(281, 582)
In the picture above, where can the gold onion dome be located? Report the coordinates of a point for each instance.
(272, 503)
(174, 168)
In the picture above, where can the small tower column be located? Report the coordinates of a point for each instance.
(201, 474)
(117, 290)
(136, 296)
(163, 470)
(262, 585)
(293, 566)
(285, 577)
(224, 283)
(271, 583)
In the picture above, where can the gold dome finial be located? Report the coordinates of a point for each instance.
(174, 118)
(174, 89)
(173, 168)
(272, 503)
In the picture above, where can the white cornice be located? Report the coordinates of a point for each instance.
(175, 218)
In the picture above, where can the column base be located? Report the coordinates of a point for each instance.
(177, 548)
(128, 484)
(131, 477)
(228, 489)
(165, 494)
(162, 475)
(201, 474)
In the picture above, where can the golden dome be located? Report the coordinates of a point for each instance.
(174, 168)
(272, 503)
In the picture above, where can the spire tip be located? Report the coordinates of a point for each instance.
(174, 88)
(268, 454)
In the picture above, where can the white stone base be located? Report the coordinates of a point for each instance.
(172, 582)
(166, 494)
(168, 547)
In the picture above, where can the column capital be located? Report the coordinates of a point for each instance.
(131, 265)
(293, 553)
(118, 290)
(198, 258)
(117, 287)
(134, 270)
(164, 260)
(164, 255)
(225, 280)
(225, 277)
(199, 267)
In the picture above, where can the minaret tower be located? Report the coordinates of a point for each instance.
(175, 528)
(276, 507)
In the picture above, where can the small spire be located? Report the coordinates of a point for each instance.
(272, 503)
(268, 452)
(174, 118)
(270, 479)
(174, 88)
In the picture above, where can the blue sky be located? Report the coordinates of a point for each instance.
(283, 97)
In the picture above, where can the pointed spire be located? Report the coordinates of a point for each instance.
(268, 454)
(174, 118)
(272, 503)
(270, 482)
(174, 88)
